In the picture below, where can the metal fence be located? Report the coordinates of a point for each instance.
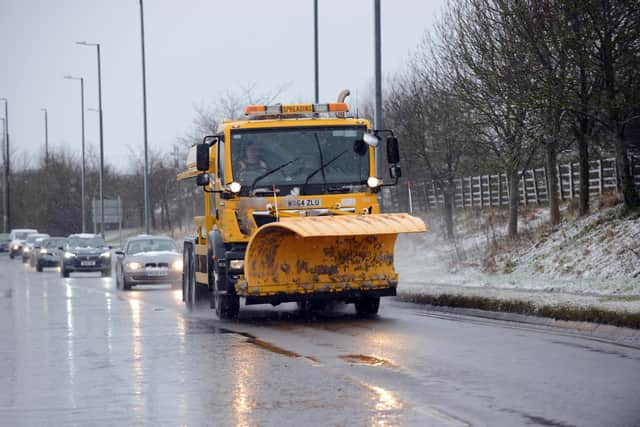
(493, 190)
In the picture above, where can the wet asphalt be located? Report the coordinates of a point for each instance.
(78, 351)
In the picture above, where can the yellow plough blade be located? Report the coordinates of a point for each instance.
(324, 254)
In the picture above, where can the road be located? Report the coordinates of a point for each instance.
(78, 351)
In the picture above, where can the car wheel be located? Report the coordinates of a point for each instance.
(106, 273)
(39, 267)
(64, 272)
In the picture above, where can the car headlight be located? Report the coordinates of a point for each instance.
(177, 265)
(43, 251)
(16, 247)
(106, 254)
(133, 266)
(68, 255)
(26, 250)
(236, 264)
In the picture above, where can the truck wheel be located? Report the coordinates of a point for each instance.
(39, 267)
(189, 278)
(367, 306)
(227, 306)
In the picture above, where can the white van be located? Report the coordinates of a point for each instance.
(18, 236)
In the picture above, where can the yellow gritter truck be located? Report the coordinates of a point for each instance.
(291, 211)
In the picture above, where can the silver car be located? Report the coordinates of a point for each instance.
(147, 260)
(30, 243)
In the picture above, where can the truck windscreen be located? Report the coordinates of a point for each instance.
(310, 158)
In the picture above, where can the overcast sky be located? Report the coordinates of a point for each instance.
(195, 49)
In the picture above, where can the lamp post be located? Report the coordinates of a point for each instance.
(144, 112)
(7, 170)
(82, 177)
(4, 158)
(315, 38)
(46, 136)
(97, 45)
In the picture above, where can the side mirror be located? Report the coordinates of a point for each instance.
(119, 253)
(395, 171)
(60, 248)
(393, 151)
(202, 157)
(36, 247)
(110, 247)
(202, 180)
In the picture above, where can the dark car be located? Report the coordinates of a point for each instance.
(85, 253)
(148, 260)
(31, 241)
(47, 253)
(4, 242)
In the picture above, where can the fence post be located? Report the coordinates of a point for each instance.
(546, 183)
(471, 190)
(490, 195)
(561, 189)
(571, 186)
(535, 185)
(500, 189)
(600, 177)
(523, 177)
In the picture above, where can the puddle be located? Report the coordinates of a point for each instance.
(274, 348)
(361, 359)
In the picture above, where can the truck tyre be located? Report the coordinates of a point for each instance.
(227, 306)
(39, 267)
(189, 277)
(367, 306)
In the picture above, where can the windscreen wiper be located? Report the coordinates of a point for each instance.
(321, 168)
(266, 174)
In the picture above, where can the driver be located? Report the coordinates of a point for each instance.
(252, 163)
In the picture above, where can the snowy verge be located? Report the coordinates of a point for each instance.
(592, 262)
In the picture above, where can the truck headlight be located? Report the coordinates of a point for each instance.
(133, 266)
(68, 255)
(373, 182)
(236, 264)
(235, 187)
(177, 265)
(106, 254)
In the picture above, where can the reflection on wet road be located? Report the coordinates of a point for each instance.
(79, 351)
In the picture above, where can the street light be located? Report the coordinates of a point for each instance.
(144, 112)
(46, 137)
(7, 170)
(315, 38)
(97, 45)
(81, 79)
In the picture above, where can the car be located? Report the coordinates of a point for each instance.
(17, 237)
(5, 239)
(48, 252)
(85, 253)
(29, 244)
(147, 260)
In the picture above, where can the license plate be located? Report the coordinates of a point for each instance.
(156, 272)
(87, 263)
(304, 203)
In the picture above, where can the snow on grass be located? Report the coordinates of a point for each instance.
(589, 261)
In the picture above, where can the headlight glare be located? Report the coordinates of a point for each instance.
(177, 265)
(235, 187)
(373, 182)
(134, 266)
(68, 255)
(106, 254)
(43, 251)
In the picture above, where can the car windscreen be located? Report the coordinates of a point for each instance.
(87, 242)
(33, 237)
(21, 235)
(54, 243)
(151, 245)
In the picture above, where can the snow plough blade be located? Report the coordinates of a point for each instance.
(324, 254)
